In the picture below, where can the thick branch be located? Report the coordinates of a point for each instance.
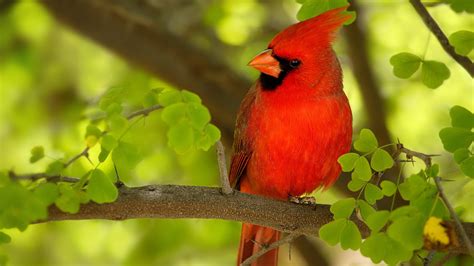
(173, 202)
(464, 61)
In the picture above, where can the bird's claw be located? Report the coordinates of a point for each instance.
(303, 200)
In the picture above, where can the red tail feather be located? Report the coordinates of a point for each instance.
(252, 240)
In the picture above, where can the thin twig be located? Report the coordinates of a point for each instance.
(224, 177)
(455, 217)
(84, 152)
(427, 160)
(464, 61)
(144, 112)
(272, 246)
(36, 176)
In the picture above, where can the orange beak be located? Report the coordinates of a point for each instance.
(266, 63)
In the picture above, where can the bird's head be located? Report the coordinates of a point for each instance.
(301, 52)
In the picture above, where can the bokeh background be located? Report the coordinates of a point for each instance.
(51, 78)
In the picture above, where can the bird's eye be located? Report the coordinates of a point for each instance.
(294, 63)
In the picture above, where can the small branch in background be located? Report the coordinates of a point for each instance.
(464, 61)
(427, 160)
(276, 244)
(84, 153)
(455, 217)
(144, 112)
(224, 177)
(36, 176)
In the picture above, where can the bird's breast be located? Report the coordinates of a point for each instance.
(296, 144)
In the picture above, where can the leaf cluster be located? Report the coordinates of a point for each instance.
(395, 234)
(189, 128)
(457, 139)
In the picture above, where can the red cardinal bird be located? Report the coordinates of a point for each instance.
(293, 123)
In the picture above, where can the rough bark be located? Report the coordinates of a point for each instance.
(178, 202)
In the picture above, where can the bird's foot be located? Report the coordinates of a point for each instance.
(303, 200)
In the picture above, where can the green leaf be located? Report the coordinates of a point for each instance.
(454, 138)
(403, 211)
(434, 73)
(198, 115)
(381, 160)
(113, 95)
(126, 156)
(47, 193)
(355, 184)
(4, 239)
(108, 142)
(461, 117)
(209, 137)
(69, 199)
(150, 99)
(461, 5)
(114, 109)
(405, 64)
(312, 8)
(372, 193)
(331, 232)
(362, 169)
(377, 220)
(37, 153)
(190, 97)
(388, 188)
(365, 209)
(25, 209)
(174, 113)
(168, 97)
(467, 167)
(343, 208)
(407, 230)
(350, 236)
(398, 252)
(375, 247)
(461, 155)
(117, 123)
(104, 153)
(366, 142)
(101, 189)
(347, 161)
(463, 41)
(181, 137)
(55, 168)
(213, 132)
(412, 187)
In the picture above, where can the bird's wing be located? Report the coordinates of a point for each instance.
(243, 146)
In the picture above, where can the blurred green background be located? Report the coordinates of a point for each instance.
(52, 77)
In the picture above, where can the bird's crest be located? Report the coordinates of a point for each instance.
(316, 31)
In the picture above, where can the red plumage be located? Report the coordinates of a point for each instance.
(293, 123)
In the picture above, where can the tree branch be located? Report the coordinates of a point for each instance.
(144, 112)
(464, 61)
(223, 176)
(178, 202)
(133, 34)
